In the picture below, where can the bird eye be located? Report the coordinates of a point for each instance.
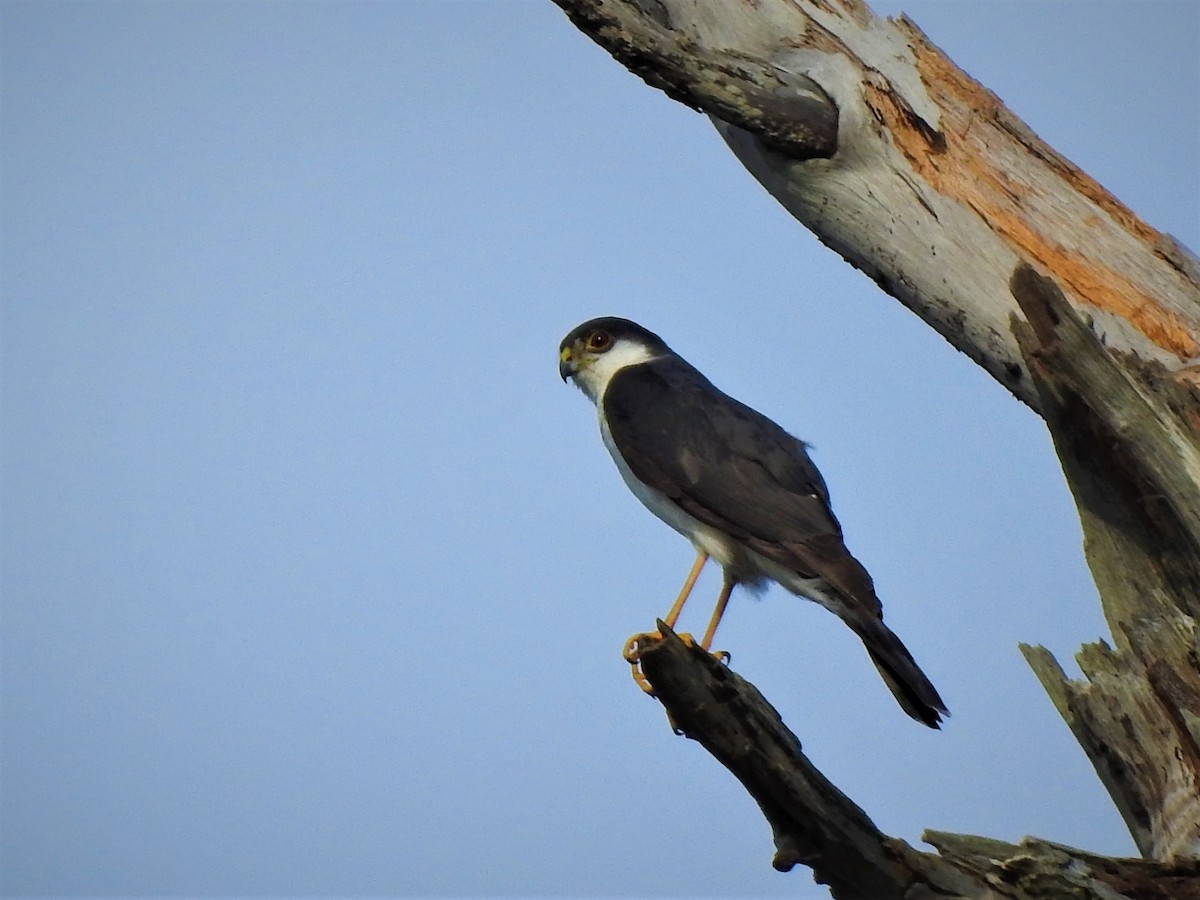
(599, 341)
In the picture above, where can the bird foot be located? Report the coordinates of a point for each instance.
(633, 655)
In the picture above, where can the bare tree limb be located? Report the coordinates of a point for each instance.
(1045, 869)
(789, 112)
(1132, 463)
(936, 190)
(1112, 429)
(816, 825)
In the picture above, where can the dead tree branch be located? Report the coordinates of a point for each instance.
(1134, 467)
(935, 189)
(816, 825)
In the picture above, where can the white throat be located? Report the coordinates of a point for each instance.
(594, 378)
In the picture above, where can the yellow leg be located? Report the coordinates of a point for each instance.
(631, 651)
(685, 592)
(722, 602)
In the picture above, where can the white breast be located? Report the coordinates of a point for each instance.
(744, 565)
(703, 537)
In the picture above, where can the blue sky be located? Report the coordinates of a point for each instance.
(315, 577)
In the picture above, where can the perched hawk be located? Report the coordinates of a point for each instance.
(735, 484)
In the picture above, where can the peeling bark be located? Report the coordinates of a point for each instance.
(936, 190)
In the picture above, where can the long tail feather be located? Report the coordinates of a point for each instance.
(913, 691)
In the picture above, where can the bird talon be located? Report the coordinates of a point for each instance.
(632, 654)
(632, 649)
(723, 656)
(642, 681)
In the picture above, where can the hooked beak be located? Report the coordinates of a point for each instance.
(566, 363)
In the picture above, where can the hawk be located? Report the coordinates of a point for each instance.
(735, 484)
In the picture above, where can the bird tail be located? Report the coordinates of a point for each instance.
(913, 691)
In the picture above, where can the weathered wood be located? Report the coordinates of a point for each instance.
(1131, 459)
(790, 113)
(936, 190)
(1132, 463)
(1044, 869)
(1144, 756)
(816, 825)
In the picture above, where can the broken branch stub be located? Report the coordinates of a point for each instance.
(1131, 461)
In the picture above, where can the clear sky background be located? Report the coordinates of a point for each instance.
(315, 576)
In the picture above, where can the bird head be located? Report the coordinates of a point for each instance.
(595, 351)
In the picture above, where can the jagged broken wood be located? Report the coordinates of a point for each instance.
(1124, 433)
(816, 825)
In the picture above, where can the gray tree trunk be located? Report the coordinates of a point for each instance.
(919, 176)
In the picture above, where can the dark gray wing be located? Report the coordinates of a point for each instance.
(737, 471)
(731, 468)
